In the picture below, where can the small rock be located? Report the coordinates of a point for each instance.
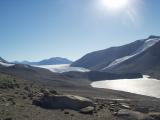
(8, 119)
(87, 110)
(112, 109)
(45, 92)
(155, 115)
(53, 92)
(114, 113)
(30, 95)
(133, 114)
(66, 112)
(24, 97)
(125, 106)
(123, 112)
(16, 92)
(26, 88)
(7, 104)
(112, 104)
(142, 109)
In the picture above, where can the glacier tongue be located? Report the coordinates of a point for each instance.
(147, 44)
(62, 68)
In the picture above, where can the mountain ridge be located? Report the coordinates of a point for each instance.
(3, 60)
(50, 61)
(125, 58)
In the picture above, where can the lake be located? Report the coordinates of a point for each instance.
(144, 86)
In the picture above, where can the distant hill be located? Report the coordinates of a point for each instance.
(2, 60)
(50, 61)
(4, 63)
(139, 56)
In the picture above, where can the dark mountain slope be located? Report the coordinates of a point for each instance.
(146, 62)
(97, 60)
(40, 75)
(138, 57)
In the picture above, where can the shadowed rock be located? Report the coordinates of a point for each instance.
(155, 115)
(133, 115)
(51, 101)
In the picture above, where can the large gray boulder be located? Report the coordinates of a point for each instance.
(63, 102)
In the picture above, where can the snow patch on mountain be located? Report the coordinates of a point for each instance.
(6, 64)
(147, 44)
(62, 68)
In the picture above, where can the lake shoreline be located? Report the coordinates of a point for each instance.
(143, 86)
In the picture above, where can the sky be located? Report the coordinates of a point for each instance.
(39, 29)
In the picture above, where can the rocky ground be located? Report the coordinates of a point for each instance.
(26, 100)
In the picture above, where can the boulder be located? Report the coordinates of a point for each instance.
(125, 106)
(129, 114)
(87, 110)
(63, 102)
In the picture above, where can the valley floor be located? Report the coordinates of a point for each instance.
(16, 103)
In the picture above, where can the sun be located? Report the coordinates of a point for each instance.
(115, 4)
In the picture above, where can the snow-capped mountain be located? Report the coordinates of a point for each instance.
(126, 58)
(146, 45)
(56, 65)
(5, 63)
(50, 61)
(147, 62)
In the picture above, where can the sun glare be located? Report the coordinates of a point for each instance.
(124, 9)
(115, 4)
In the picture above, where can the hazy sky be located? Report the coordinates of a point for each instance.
(39, 29)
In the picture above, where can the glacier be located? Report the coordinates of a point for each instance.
(62, 68)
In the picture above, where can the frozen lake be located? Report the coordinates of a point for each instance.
(144, 86)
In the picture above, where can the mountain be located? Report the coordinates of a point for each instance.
(99, 59)
(139, 56)
(147, 62)
(4, 63)
(51, 61)
(2, 60)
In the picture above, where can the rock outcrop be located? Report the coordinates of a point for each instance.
(55, 101)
